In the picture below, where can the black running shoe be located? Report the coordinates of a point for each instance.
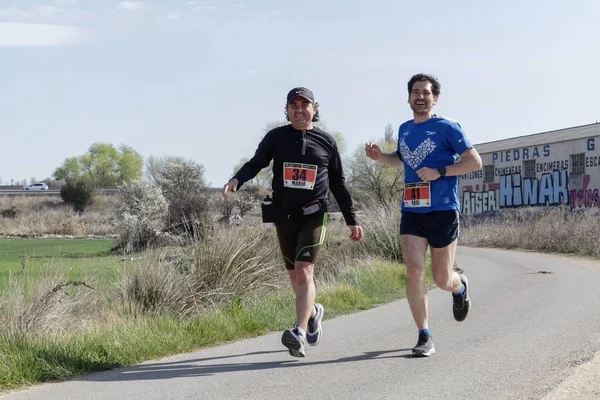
(315, 330)
(295, 341)
(462, 303)
(424, 347)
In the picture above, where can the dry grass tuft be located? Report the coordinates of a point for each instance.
(230, 262)
(49, 215)
(553, 230)
(47, 306)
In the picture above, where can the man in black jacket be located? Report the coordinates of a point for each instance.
(306, 163)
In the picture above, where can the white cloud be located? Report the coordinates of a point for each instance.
(63, 3)
(131, 5)
(174, 16)
(240, 6)
(205, 8)
(16, 34)
(61, 12)
(275, 12)
(190, 3)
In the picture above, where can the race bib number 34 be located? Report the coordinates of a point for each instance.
(299, 176)
(417, 194)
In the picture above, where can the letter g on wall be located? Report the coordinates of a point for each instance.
(591, 144)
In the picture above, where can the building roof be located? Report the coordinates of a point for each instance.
(561, 135)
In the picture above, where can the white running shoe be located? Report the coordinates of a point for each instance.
(295, 341)
(314, 333)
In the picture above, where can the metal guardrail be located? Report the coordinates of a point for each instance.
(56, 192)
(50, 192)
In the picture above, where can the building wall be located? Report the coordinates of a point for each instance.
(554, 182)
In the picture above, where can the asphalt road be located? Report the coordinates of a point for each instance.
(526, 333)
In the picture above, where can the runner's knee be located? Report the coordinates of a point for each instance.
(415, 273)
(443, 278)
(304, 272)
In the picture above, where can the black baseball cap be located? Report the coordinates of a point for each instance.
(302, 92)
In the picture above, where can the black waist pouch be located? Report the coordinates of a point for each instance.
(268, 209)
(312, 207)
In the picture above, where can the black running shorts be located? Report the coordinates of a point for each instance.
(300, 237)
(440, 228)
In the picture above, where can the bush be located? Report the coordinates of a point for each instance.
(9, 212)
(140, 215)
(554, 230)
(51, 305)
(382, 232)
(189, 213)
(212, 271)
(78, 193)
(182, 185)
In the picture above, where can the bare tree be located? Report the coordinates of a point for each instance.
(245, 201)
(388, 135)
(226, 206)
(182, 184)
(374, 182)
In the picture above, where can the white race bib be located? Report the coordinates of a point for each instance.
(417, 194)
(299, 176)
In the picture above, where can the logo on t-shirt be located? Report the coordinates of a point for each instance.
(417, 156)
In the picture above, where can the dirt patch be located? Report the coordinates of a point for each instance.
(584, 384)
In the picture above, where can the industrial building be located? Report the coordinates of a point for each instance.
(560, 167)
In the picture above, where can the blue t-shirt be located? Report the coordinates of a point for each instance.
(434, 143)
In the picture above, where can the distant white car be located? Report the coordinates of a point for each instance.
(36, 186)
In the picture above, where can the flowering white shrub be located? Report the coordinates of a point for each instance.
(140, 214)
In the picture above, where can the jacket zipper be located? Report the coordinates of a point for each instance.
(303, 142)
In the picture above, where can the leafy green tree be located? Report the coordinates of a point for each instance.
(78, 192)
(103, 166)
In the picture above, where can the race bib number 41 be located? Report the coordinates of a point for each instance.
(417, 194)
(299, 176)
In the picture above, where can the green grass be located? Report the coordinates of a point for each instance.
(30, 361)
(73, 258)
(14, 249)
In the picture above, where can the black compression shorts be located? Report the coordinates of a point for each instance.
(300, 237)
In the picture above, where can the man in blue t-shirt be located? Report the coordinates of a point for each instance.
(428, 148)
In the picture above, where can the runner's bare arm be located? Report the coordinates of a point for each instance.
(469, 161)
(392, 160)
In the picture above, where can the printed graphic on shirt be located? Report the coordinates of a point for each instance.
(417, 156)
(417, 194)
(299, 176)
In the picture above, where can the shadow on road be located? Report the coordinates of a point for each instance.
(194, 367)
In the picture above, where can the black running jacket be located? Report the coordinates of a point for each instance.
(305, 164)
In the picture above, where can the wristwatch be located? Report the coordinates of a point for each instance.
(442, 171)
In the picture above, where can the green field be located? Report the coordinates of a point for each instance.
(73, 258)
